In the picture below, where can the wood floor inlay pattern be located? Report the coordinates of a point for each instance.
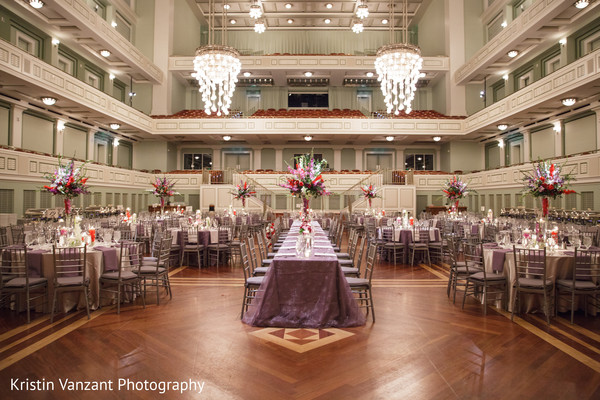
(301, 340)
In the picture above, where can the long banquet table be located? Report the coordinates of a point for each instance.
(305, 292)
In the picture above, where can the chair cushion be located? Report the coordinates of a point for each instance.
(350, 270)
(489, 277)
(267, 261)
(343, 255)
(150, 270)
(358, 282)
(255, 280)
(193, 247)
(345, 262)
(532, 282)
(125, 275)
(220, 246)
(581, 285)
(20, 282)
(71, 281)
(150, 259)
(261, 270)
(270, 255)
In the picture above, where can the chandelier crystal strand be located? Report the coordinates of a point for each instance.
(217, 68)
(398, 67)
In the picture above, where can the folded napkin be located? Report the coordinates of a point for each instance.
(324, 254)
(489, 245)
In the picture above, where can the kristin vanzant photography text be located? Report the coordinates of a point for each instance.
(125, 384)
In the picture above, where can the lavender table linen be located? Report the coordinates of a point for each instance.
(110, 258)
(34, 262)
(498, 257)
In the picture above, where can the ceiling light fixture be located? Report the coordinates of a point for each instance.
(308, 74)
(437, 138)
(288, 5)
(227, 138)
(504, 24)
(259, 26)
(502, 127)
(562, 41)
(329, 6)
(327, 21)
(398, 66)
(581, 4)
(60, 125)
(255, 11)
(290, 21)
(505, 77)
(557, 127)
(357, 26)
(49, 101)
(36, 3)
(232, 21)
(55, 41)
(513, 53)
(308, 138)
(247, 74)
(384, 21)
(217, 68)
(116, 142)
(226, 6)
(569, 101)
(105, 53)
(389, 138)
(362, 11)
(369, 74)
(115, 126)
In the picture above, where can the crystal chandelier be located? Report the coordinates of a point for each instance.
(217, 68)
(398, 66)
(357, 26)
(259, 26)
(362, 11)
(255, 11)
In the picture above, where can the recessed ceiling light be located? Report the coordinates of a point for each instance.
(569, 101)
(369, 74)
(502, 126)
(247, 74)
(114, 125)
(49, 101)
(290, 21)
(55, 41)
(36, 3)
(232, 21)
(384, 21)
(104, 53)
(437, 138)
(389, 138)
(308, 138)
(329, 5)
(226, 6)
(582, 4)
(513, 53)
(308, 74)
(227, 138)
(113, 24)
(327, 21)
(288, 5)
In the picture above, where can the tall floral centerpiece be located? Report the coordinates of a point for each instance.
(68, 181)
(369, 192)
(242, 192)
(306, 180)
(455, 189)
(546, 181)
(163, 188)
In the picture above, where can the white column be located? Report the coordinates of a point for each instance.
(503, 155)
(115, 153)
(163, 46)
(438, 160)
(257, 158)
(597, 111)
(59, 137)
(337, 159)
(455, 48)
(279, 159)
(558, 138)
(216, 159)
(400, 159)
(90, 144)
(358, 158)
(526, 146)
(16, 135)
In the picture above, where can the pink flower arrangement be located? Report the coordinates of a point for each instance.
(455, 189)
(307, 180)
(369, 192)
(242, 192)
(546, 181)
(163, 188)
(67, 180)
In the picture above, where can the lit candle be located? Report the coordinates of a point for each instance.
(92, 234)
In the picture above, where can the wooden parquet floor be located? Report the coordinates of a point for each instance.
(421, 347)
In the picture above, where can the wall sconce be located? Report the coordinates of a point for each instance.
(60, 126)
(557, 127)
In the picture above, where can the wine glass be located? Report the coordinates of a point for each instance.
(587, 242)
(117, 236)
